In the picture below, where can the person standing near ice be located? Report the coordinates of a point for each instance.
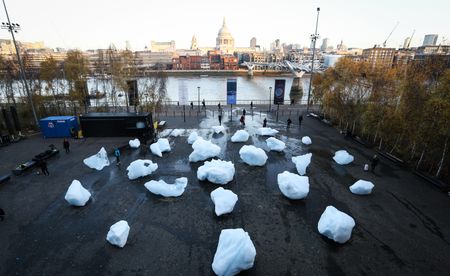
(117, 155)
(300, 119)
(244, 112)
(242, 120)
(265, 122)
(374, 162)
(289, 122)
(66, 145)
(44, 168)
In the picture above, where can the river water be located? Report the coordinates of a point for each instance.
(212, 88)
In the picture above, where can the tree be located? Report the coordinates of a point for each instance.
(49, 73)
(76, 70)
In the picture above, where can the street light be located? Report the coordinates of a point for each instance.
(14, 28)
(270, 98)
(198, 87)
(314, 38)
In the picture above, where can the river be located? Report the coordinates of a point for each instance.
(212, 88)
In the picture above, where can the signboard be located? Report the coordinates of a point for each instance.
(231, 91)
(183, 94)
(279, 92)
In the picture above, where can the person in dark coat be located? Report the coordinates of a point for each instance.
(242, 120)
(220, 119)
(289, 122)
(265, 122)
(244, 112)
(203, 104)
(192, 105)
(66, 145)
(251, 105)
(2, 214)
(300, 119)
(117, 155)
(374, 162)
(218, 106)
(44, 168)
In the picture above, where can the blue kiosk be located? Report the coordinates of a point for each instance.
(59, 126)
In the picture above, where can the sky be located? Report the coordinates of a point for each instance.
(93, 24)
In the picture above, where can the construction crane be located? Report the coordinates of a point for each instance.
(409, 42)
(384, 43)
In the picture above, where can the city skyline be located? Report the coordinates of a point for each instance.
(96, 24)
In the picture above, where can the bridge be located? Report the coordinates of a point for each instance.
(298, 69)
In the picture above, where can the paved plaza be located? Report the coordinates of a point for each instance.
(403, 228)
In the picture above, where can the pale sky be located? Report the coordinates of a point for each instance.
(92, 24)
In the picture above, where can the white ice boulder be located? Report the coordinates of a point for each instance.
(192, 137)
(301, 162)
(292, 185)
(139, 168)
(306, 140)
(235, 252)
(216, 171)
(275, 144)
(77, 195)
(267, 131)
(97, 161)
(253, 156)
(176, 132)
(134, 143)
(162, 145)
(118, 233)
(224, 201)
(336, 225)
(218, 129)
(342, 157)
(240, 136)
(362, 187)
(203, 150)
(167, 190)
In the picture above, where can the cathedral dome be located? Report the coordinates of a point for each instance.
(224, 32)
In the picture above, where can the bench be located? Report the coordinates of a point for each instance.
(4, 178)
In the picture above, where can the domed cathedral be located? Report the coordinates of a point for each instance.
(194, 45)
(224, 40)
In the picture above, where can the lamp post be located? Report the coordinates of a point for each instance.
(14, 28)
(198, 94)
(314, 38)
(270, 98)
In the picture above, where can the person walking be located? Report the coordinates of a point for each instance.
(117, 155)
(289, 122)
(300, 119)
(251, 105)
(203, 104)
(244, 112)
(66, 145)
(374, 162)
(265, 122)
(44, 168)
(242, 120)
(220, 119)
(192, 105)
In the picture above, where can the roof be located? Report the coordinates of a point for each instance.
(56, 118)
(115, 114)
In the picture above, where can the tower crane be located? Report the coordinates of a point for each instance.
(409, 42)
(395, 27)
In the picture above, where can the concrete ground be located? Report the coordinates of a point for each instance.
(403, 228)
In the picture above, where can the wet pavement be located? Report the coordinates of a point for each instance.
(402, 228)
